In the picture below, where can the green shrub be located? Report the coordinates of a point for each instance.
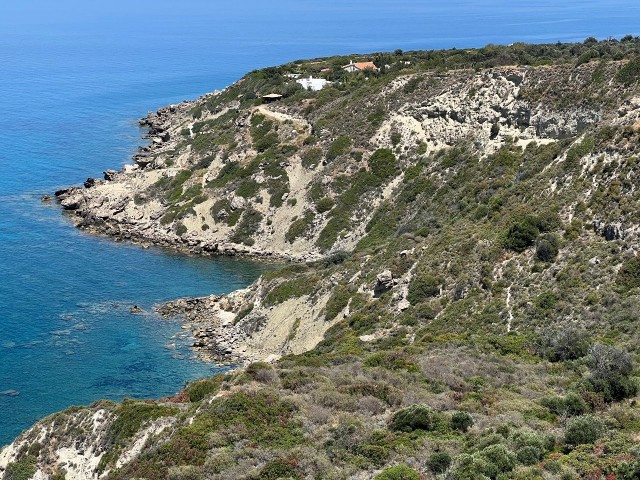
(576, 152)
(629, 274)
(422, 288)
(231, 217)
(131, 416)
(324, 204)
(628, 470)
(23, 469)
(337, 301)
(394, 360)
(383, 164)
(495, 130)
(547, 248)
(462, 421)
(201, 389)
(439, 462)
(630, 73)
(499, 458)
(248, 188)
(339, 146)
(399, 472)
(289, 289)
(583, 430)
(611, 370)
(247, 227)
(529, 455)
(571, 405)
(180, 228)
(311, 157)
(299, 227)
(415, 417)
(558, 345)
(521, 235)
(280, 469)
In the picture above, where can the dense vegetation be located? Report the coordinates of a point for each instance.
(515, 353)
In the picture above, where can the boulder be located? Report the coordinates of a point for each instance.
(89, 182)
(384, 282)
(109, 175)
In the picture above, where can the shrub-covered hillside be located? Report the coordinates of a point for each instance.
(474, 302)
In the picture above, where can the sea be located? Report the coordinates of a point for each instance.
(74, 79)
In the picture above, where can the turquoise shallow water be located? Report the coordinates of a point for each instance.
(73, 79)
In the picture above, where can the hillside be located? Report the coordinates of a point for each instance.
(464, 287)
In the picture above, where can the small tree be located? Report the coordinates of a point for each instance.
(611, 370)
(547, 247)
(558, 345)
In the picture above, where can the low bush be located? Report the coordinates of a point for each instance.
(201, 389)
(439, 462)
(629, 274)
(582, 430)
(547, 247)
(383, 164)
(629, 73)
(415, 417)
(461, 421)
(247, 227)
(337, 302)
(423, 287)
(571, 405)
(311, 157)
(324, 204)
(339, 146)
(23, 469)
(299, 227)
(288, 289)
(280, 469)
(399, 472)
(558, 345)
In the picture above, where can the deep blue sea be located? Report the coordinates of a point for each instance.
(74, 77)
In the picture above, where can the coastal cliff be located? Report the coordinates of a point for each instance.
(462, 293)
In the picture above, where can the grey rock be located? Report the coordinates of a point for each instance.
(384, 282)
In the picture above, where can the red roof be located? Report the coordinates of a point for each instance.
(363, 65)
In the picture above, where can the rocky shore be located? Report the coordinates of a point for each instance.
(107, 206)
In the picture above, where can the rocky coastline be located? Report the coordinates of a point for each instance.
(77, 202)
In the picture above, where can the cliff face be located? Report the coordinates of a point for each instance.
(465, 291)
(221, 176)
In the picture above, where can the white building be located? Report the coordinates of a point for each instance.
(311, 83)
